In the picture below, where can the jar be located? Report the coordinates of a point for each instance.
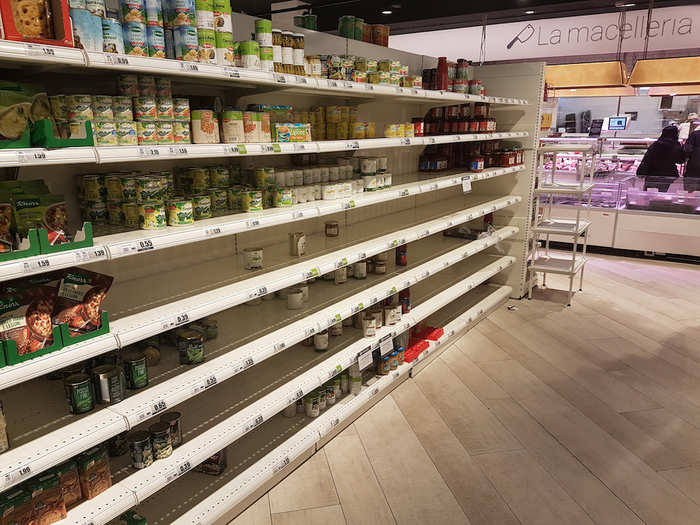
(379, 268)
(341, 275)
(481, 109)
(321, 341)
(336, 330)
(287, 52)
(389, 315)
(473, 125)
(381, 257)
(518, 156)
(359, 270)
(330, 395)
(490, 124)
(400, 355)
(321, 398)
(385, 366)
(311, 405)
(378, 316)
(190, 346)
(368, 327)
(298, 53)
(345, 382)
(332, 228)
(483, 124)
(476, 164)
(401, 255)
(393, 360)
(277, 50)
(295, 299)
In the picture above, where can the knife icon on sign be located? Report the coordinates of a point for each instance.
(522, 37)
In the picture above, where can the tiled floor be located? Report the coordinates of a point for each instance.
(541, 415)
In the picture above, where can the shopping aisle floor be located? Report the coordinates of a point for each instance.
(541, 415)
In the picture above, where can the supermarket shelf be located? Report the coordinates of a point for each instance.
(551, 264)
(158, 319)
(56, 446)
(148, 481)
(242, 480)
(121, 154)
(136, 242)
(564, 148)
(562, 226)
(562, 188)
(41, 55)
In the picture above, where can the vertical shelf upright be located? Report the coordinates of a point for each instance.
(545, 225)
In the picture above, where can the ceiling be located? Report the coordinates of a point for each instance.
(408, 16)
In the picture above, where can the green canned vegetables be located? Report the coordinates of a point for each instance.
(219, 199)
(180, 213)
(202, 207)
(135, 369)
(79, 393)
(190, 346)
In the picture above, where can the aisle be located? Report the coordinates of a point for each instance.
(541, 415)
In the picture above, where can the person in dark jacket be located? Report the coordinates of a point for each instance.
(658, 167)
(691, 177)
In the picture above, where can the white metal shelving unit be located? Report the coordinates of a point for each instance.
(173, 274)
(546, 225)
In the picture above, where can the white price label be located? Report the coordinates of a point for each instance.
(40, 265)
(24, 157)
(232, 72)
(279, 466)
(37, 50)
(349, 85)
(341, 263)
(116, 60)
(297, 215)
(430, 140)
(278, 347)
(369, 87)
(361, 256)
(333, 320)
(414, 92)
(299, 147)
(216, 230)
(178, 320)
(254, 422)
(349, 204)
(313, 272)
(178, 151)
(424, 233)
(248, 363)
(158, 406)
(364, 358)
(182, 468)
(399, 89)
(302, 80)
(254, 223)
(189, 67)
(373, 300)
(424, 275)
(308, 332)
(16, 474)
(280, 79)
(332, 83)
(144, 245)
(209, 382)
(386, 345)
(267, 148)
(406, 141)
(335, 371)
(404, 193)
(374, 391)
(261, 291)
(434, 187)
(352, 145)
(293, 398)
(358, 307)
(149, 152)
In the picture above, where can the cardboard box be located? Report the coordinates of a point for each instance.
(59, 21)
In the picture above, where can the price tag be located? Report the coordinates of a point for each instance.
(116, 60)
(415, 92)
(369, 87)
(342, 262)
(373, 300)
(424, 233)
(313, 272)
(424, 275)
(30, 156)
(392, 291)
(40, 265)
(37, 50)
(181, 319)
(332, 83)
(254, 422)
(261, 291)
(248, 363)
(179, 470)
(335, 319)
(281, 464)
(374, 391)
(149, 152)
(364, 358)
(88, 254)
(358, 307)
(299, 147)
(404, 193)
(144, 245)
(209, 382)
(189, 67)
(232, 72)
(178, 150)
(386, 345)
(406, 141)
(270, 148)
(297, 214)
(241, 149)
(430, 140)
(278, 347)
(280, 79)
(296, 396)
(158, 406)
(349, 85)
(16, 474)
(302, 80)
(349, 204)
(253, 223)
(433, 187)
(215, 230)
(308, 332)
(352, 145)
(399, 89)
(335, 371)
(361, 256)
(466, 184)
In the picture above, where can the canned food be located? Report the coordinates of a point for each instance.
(105, 133)
(205, 128)
(108, 384)
(146, 132)
(219, 199)
(160, 440)
(135, 369)
(79, 393)
(130, 211)
(198, 179)
(251, 200)
(148, 188)
(219, 176)
(164, 132)
(180, 13)
(135, 39)
(173, 420)
(114, 213)
(128, 85)
(154, 13)
(121, 108)
(126, 133)
(186, 43)
(129, 188)
(151, 215)
(59, 107)
(79, 107)
(145, 108)
(140, 448)
(156, 42)
(164, 108)
(180, 213)
(202, 207)
(181, 109)
(207, 45)
(112, 36)
(132, 11)
(190, 346)
(113, 187)
(164, 87)
(181, 132)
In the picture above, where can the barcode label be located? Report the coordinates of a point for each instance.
(149, 152)
(281, 464)
(117, 60)
(212, 231)
(36, 266)
(189, 66)
(175, 151)
(349, 85)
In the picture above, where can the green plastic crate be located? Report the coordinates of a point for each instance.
(43, 137)
(32, 242)
(71, 340)
(86, 240)
(12, 357)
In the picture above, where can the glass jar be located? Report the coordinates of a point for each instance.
(277, 50)
(332, 228)
(287, 52)
(298, 53)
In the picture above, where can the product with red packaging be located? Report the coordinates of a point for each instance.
(79, 300)
(39, 21)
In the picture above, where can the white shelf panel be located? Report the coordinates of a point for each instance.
(213, 507)
(562, 226)
(122, 154)
(150, 322)
(40, 54)
(564, 189)
(564, 148)
(551, 264)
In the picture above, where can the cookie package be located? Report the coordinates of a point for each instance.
(40, 21)
(79, 300)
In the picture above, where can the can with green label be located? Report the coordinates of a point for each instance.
(130, 211)
(252, 200)
(180, 212)
(79, 393)
(207, 44)
(202, 207)
(219, 199)
(152, 215)
(219, 176)
(135, 369)
(346, 26)
(190, 346)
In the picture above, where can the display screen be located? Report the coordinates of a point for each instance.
(617, 123)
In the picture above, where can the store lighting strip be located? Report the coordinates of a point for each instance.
(107, 155)
(136, 242)
(149, 480)
(57, 446)
(216, 505)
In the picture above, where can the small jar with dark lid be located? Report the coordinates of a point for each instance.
(332, 228)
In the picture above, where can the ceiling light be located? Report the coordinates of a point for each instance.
(530, 12)
(644, 88)
(572, 90)
(387, 12)
(624, 4)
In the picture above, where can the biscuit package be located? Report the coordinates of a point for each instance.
(93, 469)
(69, 482)
(41, 21)
(79, 300)
(26, 306)
(47, 500)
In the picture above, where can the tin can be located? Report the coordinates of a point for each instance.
(180, 13)
(156, 42)
(79, 393)
(87, 30)
(79, 107)
(129, 188)
(219, 176)
(152, 215)
(181, 109)
(135, 369)
(173, 419)
(251, 200)
(118, 445)
(190, 346)
(133, 11)
(105, 133)
(202, 207)
(297, 244)
(126, 133)
(145, 108)
(204, 14)
(180, 213)
(219, 199)
(164, 88)
(112, 36)
(263, 32)
(140, 449)
(108, 384)
(77, 4)
(181, 132)
(186, 43)
(164, 132)
(250, 54)
(128, 85)
(102, 107)
(205, 128)
(135, 39)
(154, 13)
(130, 212)
(146, 133)
(267, 58)
(164, 108)
(207, 44)
(147, 85)
(160, 440)
(198, 179)
(224, 46)
(113, 186)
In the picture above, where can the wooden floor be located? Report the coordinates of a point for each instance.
(540, 415)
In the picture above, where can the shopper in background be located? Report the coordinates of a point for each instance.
(691, 177)
(658, 167)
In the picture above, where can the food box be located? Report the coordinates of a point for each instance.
(28, 21)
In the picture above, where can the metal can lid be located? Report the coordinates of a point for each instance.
(170, 417)
(76, 379)
(138, 436)
(159, 428)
